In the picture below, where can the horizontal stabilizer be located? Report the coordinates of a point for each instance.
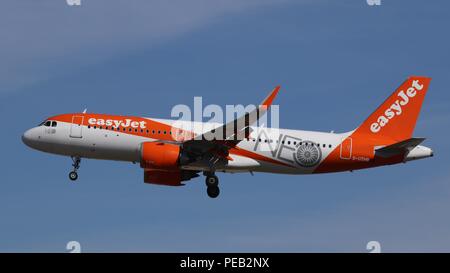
(399, 147)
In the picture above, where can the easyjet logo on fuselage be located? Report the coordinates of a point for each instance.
(396, 109)
(117, 123)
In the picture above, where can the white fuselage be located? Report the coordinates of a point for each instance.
(116, 145)
(265, 150)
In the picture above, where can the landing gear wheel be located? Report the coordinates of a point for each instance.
(212, 181)
(213, 191)
(73, 176)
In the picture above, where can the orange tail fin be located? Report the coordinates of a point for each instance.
(396, 118)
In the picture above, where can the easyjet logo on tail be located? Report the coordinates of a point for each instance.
(116, 123)
(396, 109)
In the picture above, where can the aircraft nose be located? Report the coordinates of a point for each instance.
(27, 138)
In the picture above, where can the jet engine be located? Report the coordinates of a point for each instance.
(162, 156)
(162, 162)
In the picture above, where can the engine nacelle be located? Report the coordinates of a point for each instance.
(162, 162)
(160, 156)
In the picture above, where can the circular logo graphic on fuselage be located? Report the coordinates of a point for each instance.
(308, 154)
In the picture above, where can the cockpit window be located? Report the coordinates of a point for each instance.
(48, 123)
(54, 124)
(42, 123)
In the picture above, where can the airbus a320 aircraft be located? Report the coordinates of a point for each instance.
(170, 155)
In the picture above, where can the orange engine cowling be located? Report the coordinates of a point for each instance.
(160, 156)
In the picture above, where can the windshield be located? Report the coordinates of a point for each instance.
(48, 123)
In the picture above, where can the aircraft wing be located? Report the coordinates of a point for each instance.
(219, 140)
(399, 147)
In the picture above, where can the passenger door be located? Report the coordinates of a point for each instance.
(76, 130)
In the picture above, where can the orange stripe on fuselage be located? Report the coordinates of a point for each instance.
(143, 127)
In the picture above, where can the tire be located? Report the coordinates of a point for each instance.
(213, 192)
(212, 181)
(73, 176)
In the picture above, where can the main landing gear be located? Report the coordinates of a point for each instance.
(212, 184)
(73, 175)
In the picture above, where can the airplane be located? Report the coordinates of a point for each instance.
(170, 155)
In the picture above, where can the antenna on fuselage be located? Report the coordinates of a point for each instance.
(85, 110)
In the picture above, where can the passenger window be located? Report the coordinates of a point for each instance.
(324, 145)
(329, 146)
(54, 124)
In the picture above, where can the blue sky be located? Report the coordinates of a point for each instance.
(336, 62)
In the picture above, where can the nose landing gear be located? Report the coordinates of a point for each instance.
(212, 184)
(73, 175)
